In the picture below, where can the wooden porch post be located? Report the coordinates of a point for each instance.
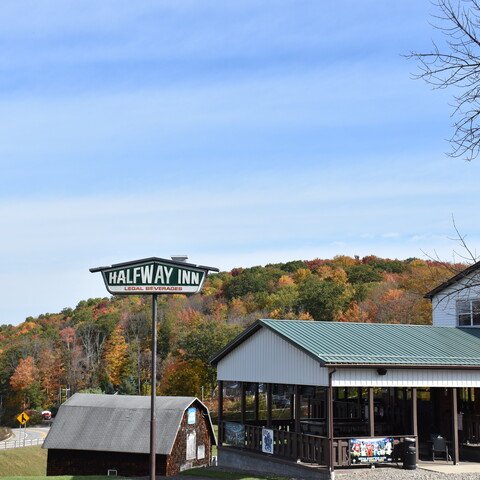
(220, 412)
(456, 450)
(257, 402)
(243, 403)
(330, 425)
(415, 420)
(297, 413)
(292, 405)
(269, 405)
(371, 412)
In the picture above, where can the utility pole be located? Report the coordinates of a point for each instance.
(66, 394)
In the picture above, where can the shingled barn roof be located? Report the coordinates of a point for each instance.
(119, 423)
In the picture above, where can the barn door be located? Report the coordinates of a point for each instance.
(191, 446)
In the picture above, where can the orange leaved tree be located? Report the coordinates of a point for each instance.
(26, 380)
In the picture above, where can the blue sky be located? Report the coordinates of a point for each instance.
(240, 133)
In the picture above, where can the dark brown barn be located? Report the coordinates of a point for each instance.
(93, 433)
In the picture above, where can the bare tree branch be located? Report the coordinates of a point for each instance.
(468, 277)
(470, 257)
(457, 67)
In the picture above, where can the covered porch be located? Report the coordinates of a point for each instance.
(338, 410)
(298, 419)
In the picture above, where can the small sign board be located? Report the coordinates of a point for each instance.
(371, 450)
(267, 440)
(192, 415)
(234, 434)
(23, 418)
(154, 275)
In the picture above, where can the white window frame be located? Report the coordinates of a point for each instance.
(468, 309)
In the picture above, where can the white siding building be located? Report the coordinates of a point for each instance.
(456, 302)
(315, 387)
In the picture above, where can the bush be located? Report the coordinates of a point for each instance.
(36, 417)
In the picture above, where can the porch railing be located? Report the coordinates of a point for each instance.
(307, 448)
(471, 428)
(288, 445)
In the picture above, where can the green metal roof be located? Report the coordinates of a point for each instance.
(343, 343)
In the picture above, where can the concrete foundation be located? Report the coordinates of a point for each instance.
(229, 457)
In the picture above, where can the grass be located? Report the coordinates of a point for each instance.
(61, 477)
(30, 463)
(207, 473)
(23, 462)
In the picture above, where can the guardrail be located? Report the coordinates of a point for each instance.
(21, 443)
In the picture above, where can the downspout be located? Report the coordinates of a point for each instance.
(331, 462)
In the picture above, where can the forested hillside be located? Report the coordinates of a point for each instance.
(103, 344)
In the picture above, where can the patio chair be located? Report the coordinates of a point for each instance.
(440, 446)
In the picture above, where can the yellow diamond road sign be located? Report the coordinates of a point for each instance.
(23, 418)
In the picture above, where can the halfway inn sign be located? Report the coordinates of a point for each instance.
(154, 276)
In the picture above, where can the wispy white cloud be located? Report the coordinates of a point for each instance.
(391, 235)
(419, 238)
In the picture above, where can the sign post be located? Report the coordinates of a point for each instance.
(154, 276)
(153, 393)
(23, 418)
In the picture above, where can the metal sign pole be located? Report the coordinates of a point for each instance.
(153, 422)
(151, 276)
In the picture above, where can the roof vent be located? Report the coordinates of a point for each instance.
(179, 258)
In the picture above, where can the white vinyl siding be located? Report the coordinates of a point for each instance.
(366, 377)
(444, 304)
(267, 357)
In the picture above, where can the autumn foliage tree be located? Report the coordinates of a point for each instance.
(50, 370)
(184, 377)
(26, 380)
(117, 363)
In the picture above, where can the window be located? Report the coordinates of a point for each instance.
(468, 313)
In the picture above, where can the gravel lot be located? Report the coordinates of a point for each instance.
(377, 474)
(399, 474)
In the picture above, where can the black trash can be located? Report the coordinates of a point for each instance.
(410, 454)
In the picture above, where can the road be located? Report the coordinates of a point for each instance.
(26, 437)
